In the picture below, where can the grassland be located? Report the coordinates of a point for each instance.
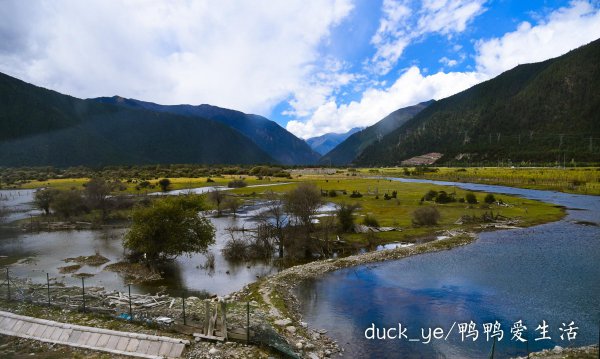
(398, 212)
(579, 180)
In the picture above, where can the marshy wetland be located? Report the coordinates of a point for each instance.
(524, 245)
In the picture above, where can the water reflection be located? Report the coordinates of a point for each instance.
(548, 272)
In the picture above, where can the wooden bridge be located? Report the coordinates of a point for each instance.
(111, 341)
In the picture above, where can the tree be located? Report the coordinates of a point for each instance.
(233, 204)
(164, 184)
(489, 198)
(169, 228)
(43, 199)
(97, 192)
(276, 217)
(345, 216)
(68, 203)
(303, 203)
(471, 198)
(217, 198)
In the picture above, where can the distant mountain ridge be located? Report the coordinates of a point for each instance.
(280, 144)
(349, 149)
(40, 127)
(325, 143)
(540, 112)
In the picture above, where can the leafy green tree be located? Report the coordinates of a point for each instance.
(426, 216)
(302, 203)
(43, 198)
(97, 192)
(164, 184)
(471, 198)
(489, 198)
(169, 228)
(345, 216)
(68, 203)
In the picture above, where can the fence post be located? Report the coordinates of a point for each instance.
(48, 287)
(130, 311)
(183, 302)
(83, 292)
(248, 322)
(8, 284)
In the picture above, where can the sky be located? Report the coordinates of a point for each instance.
(313, 66)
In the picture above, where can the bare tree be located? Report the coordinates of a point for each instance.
(302, 203)
(232, 204)
(217, 198)
(277, 218)
(97, 192)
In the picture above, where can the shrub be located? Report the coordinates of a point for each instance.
(430, 195)
(237, 183)
(164, 184)
(332, 193)
(345, 216)
(426, 216)
(370, 221)
(489, 198)
(356, 194)
(471, 198)
(444, 197)
(210, 180)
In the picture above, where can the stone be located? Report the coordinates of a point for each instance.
(299, 345)
(213, 351)
(283, 322)
(291, 329)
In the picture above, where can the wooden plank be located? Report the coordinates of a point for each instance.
(133, 345)
(176, 351)
(103, 341)
(209, 337)
(143, 346)
(112, 342)
(93, 339)
(123, 342)
(154, 347)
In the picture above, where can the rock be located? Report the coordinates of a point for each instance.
(213, 351)
(309, 346)
(291, 329)
(327, 353)
(299, 345)
(557, 349)
(283, 322)
(303, 324)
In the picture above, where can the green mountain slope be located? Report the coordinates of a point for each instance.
(280, 144)
(539, 112)
(349, 149)
(42, 127)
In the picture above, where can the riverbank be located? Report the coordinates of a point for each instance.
(275, 294)
(577, 180)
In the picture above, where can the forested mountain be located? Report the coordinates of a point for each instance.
(325, 143)
(43, 127)
(280, 144)
(540, 112)
(349, 149)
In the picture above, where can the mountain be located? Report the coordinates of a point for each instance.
(280, 144)
(349, 149)
(40, 127)
(325, 143)
(540, 112)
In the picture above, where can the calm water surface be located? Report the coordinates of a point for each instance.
(549, 272)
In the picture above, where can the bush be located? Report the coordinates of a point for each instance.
(237, 184)
(164, 184)
(444, 197)
(370, 221)
(489, 198)
(210, 180)
(332, 193)
(345, 216)
(356, 194)
(426, 216)
(471, 198)
(430, 195)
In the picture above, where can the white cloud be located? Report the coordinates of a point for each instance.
(565, 29)
(400, 26)
(562, 30)
(247, 55)
(410, 88)
(448, 62)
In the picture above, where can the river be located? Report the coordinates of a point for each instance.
(545, 273)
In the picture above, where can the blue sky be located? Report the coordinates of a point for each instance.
(314, 66)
